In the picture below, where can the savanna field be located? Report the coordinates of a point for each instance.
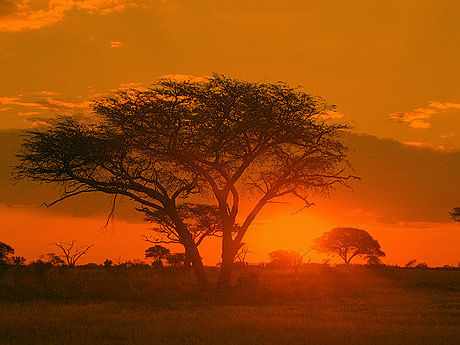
(316, 305)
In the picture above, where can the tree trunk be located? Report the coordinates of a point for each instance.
(228, 255)
(191, 250)
(187, 262)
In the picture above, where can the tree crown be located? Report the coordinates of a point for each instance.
(348, 243)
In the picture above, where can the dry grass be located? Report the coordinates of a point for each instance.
(319, 305)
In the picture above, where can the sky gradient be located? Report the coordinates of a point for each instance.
(391, 67)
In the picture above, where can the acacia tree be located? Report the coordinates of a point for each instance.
(100, 157)
(267, 139)
(348, 243)
(157, 253)
(223, 137)
(70, 251)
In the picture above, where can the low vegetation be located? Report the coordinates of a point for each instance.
(317, 304)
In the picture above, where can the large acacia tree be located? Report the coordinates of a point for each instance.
(229, 139)
(348, 243)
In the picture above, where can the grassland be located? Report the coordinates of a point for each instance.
(318, 305)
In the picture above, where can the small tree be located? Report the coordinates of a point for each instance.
(158, 254)
(285, 259)
(54, 259)
(5, 252)
(410, 263)
(176, 259)
(455, 214)
(72, 253)
(348, 243)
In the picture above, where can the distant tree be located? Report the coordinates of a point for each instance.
(18, 260)
(108, 263)
(242, 254)
(158, 254)
(5, 252)
(422, 265)
(285, 259)
(176, 259)
(455, 214)
(53, 259)
(410, 263)
(348, 243)
(72, 253)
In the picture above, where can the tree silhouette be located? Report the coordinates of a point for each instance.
(222, 138)
(71, 253)
(176, 259)
(348, 243)
(455, 214)
(241, 138)
(158, 254)
(5, 252)
(286, 259)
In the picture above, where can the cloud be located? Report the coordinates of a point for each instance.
(115, 44)
(330, 114)
(425, 145)
(418, 118)
(38, 111)
(45, 103)
(183, 77)
(409, 182)
(21, 15)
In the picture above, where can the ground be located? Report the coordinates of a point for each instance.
(317, 305)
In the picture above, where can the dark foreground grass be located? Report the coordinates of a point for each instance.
(319, 305)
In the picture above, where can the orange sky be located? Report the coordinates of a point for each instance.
(390, 66)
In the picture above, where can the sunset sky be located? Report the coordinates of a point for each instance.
(390, 66)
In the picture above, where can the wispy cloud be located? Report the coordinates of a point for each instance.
(183, 77)
(37, 111)
(418, 118)
(21, 15)
(425, 145)
(330, 115)
(115, 44)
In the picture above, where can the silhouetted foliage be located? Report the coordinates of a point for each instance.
(176, 260)
(54, 259)
(348, 243)
(158, 254)
(108, 263)
(222, 136)
(455, 214)
(373, 260)
(18, 260)
(410, 263)
(285, 259)
(5, 252)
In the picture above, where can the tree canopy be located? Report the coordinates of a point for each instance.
(455, 214)
(348, 243)
(157, 253)
(221, 138)
(5, 251)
